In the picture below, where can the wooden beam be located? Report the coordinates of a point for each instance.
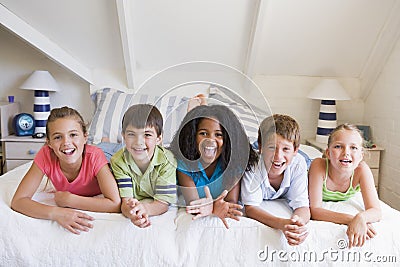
(382, 49)
(43, 44)
(124, 8)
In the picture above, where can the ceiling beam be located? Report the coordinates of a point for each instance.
(255, 38)
(43, 44)
(381, 51)
(124, 8)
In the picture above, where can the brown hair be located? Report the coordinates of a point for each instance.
(284, 125)
(64, 112)
(142, 115)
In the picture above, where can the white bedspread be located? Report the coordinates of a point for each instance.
(174, 239)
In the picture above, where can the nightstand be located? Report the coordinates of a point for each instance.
(7, 112)
(15, 150)
(372, 157)
(18, 150)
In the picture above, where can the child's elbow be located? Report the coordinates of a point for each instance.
(314, 212)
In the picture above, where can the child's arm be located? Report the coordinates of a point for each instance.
(360, 229)
(73, 221)
(372, 211)
(316, 177)
(188, 187)
(139, 211)
(154, 207)
(134, 210)
(233, 195)
(264, 217)
(198, 207)
(108, 186)
(225, 206)
(296, 232)
(294, 228)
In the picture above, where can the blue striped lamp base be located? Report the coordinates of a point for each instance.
(41, 110)
(326, 121)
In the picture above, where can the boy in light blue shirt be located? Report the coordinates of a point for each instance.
(280, 173)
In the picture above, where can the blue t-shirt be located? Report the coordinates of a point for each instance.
(201, 179)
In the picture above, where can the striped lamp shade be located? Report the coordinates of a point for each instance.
(328, 91)
(41, 82)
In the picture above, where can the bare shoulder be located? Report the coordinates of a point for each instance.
(362, 171)
(318, 164)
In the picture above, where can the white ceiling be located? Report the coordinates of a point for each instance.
(341, 38)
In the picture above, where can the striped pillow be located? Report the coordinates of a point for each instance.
(249, 115)
(111, 104)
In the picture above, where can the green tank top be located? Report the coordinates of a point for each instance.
(328, 195)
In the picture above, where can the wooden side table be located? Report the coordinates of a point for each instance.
(372, 157)
(18, 150)
(7, 113)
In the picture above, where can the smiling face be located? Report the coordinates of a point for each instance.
(345, 150)
(67, 140)
(277, 153)
(209, 140)
(141, 144)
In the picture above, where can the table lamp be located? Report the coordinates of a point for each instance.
(328, 91)
(42, 83)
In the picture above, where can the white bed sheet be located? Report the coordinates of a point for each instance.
(175, 240)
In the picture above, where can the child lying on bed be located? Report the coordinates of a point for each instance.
(338, 177)
(213, 152)
(281, 173)
(78, 172)
(144, 170)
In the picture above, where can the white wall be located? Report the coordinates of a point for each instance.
(288, 95)
(18, 60)
(382, 112)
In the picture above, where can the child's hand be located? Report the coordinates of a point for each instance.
(201, 207)
(296, 231)
(127, 204)
(371, 232)
(224, 209)
(139, 215)
(357, 231)
(62, 198)
(72, 220)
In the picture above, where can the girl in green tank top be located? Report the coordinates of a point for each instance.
(338, 178)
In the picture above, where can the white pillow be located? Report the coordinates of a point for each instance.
(111, 104)
(249, 115)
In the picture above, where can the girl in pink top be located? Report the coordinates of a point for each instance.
(78, 171)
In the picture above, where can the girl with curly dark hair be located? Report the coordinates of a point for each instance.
(212, 151)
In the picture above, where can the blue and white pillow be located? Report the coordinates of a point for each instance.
(249, 115)
(111, 104)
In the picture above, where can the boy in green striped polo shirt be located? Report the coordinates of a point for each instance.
(145, 171)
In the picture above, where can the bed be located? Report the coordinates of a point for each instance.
(174, 239)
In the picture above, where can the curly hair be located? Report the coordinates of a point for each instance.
(236, 148)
